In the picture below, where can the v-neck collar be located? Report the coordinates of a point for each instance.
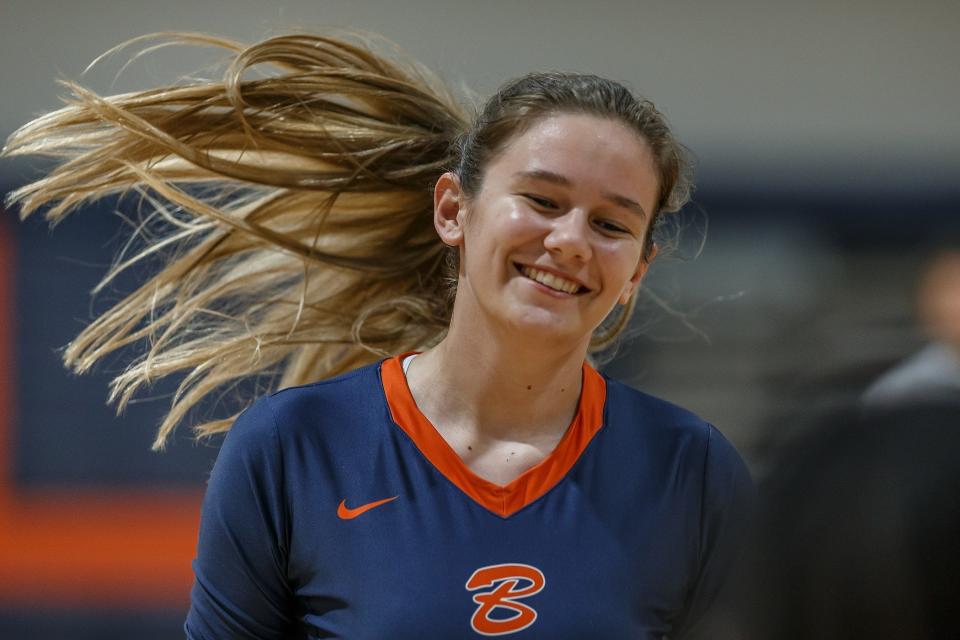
(503, 500)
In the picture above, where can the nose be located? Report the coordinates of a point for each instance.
(568, 236)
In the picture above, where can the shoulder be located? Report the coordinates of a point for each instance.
(293, 411)
(648, 413)
(357, 387)
(659, 428)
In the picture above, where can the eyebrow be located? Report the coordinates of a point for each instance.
(563, 181)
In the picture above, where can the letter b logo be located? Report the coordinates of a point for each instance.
(506, 583)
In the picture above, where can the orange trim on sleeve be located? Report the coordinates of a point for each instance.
(503, 500)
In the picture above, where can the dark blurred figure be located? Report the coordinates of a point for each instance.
(933, 373)
(859, 531)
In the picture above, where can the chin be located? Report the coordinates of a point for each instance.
(543, 325)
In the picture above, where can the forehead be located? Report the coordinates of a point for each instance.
(590, 151)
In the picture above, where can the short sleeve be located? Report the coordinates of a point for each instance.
(728, 507)
(240, 588)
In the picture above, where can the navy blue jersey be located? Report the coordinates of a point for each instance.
(336, 510)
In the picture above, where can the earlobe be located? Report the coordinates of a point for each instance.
(654, 248)
(641, 271)
(632, 286)
(448, 209)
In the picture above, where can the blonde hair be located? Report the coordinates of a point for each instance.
(291, 213)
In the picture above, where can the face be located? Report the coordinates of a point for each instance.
(939, 299)
(555, 237)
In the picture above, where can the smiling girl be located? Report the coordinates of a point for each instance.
(443, 461)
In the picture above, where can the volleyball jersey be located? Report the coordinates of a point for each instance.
(336, 510)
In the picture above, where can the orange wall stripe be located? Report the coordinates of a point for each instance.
(7, 388)
(97, 548)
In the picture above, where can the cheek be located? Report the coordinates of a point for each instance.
(620, 259)
(515, 218)
(505, 229)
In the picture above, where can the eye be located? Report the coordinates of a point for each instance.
(540, 201)
(611, 227)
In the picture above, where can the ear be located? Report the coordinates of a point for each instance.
(637, 276)
(448, 209)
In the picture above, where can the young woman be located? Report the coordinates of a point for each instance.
(482, 480)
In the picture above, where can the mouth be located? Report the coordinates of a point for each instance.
(551, 281)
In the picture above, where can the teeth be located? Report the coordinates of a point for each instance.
(550, 280)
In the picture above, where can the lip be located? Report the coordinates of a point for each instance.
(560, 274)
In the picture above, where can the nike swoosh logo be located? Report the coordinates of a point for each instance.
(346, 513)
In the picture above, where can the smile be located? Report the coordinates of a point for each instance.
(551, 281)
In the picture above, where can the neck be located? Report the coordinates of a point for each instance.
(499, 388)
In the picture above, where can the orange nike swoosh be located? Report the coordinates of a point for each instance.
(349, 514)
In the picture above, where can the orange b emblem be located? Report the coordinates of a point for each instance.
(506, 583)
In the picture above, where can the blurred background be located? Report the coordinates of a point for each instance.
(828, 145)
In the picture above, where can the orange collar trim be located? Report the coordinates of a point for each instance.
(503, 500)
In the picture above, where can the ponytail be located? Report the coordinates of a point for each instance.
(292, 211)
